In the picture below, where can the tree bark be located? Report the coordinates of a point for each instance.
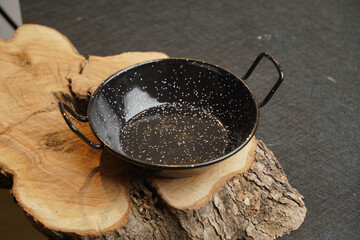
(70, 191)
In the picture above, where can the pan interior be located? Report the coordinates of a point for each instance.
(173, 112)
(174, 134)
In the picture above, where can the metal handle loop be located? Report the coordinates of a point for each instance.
(278, 82)
(63, 108)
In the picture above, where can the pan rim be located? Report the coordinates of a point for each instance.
(157, 166)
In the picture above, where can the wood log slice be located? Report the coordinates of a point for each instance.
(71, 191)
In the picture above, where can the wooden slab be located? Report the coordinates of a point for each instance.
(70, 190)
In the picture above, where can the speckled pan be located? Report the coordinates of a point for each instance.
(173, 114)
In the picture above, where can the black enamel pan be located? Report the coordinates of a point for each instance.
(173, 116)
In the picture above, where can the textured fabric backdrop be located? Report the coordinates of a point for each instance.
(312, 122)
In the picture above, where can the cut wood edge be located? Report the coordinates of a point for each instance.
(21, 31)
(194, 192)
(6, 177)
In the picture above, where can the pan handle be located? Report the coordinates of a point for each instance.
(63, 108)
(278, 82)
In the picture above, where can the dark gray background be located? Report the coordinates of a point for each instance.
(311, 123)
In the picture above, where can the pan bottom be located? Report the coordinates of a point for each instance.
(174, 134)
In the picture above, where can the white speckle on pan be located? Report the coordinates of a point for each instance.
(265, 37)
(332, 79)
